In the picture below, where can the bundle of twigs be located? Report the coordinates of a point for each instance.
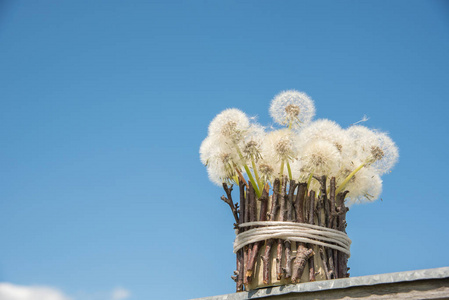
(299, 205)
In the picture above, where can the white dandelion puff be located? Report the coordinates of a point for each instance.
(207, 149)
(266, 171)
(322, 129)
(326, 130)
(222, 167)
(386, 153)
(253, 142)
(211, 147)
(220, 159)
(280, 147)
(292, 108)
(347, 167)
(320, 158)
(229, 126)
(374, 148)
(365, 186)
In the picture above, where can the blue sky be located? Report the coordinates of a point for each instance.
(104, 105)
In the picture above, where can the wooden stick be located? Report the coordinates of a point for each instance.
(333, 224)
(299, 202)
(311, 221)
(332, 188)
(252, 203)
(302, 253)
(250, 217)
(323, 197)
(282, 215)
(342, 257)
(262, 217)
(290, 202)
(228, 200)
(274, 202)
(323, 259)
(289, 216)
(267, 253)
(323, 250)
(240, 258)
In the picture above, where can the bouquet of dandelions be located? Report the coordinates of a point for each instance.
(295, 185)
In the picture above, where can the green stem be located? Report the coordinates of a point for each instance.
(253, 182)
(248, 171)
(289, 171)
(342, 185)
(280, 176)
(256, 174)
(309, 181)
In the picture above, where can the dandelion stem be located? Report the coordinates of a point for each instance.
(343, 184)
(248, 171)
(253, 182)
(259, 183)
(309, 181)
(289, 171)
(236, 179)
(241, 176)
(280, 175)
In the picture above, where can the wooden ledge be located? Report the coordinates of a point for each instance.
(420, 284)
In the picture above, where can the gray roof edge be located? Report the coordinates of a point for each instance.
(437, 273)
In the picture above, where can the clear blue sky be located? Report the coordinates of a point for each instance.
(104, 105)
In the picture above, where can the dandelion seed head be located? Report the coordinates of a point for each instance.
(279, 145)
(320, 158)
(292, 107)
(325, 130)
(220, 159)
(206, 150)
(322, 129)
(253, 142)
(283, 148)
(230, 125)
(221, 167)
(229, 128)
(251, 151)
(212, 147)
(292, 111)
(317, 160)
(266, 171)
(377, 153)
(373, 147)
(363, 137)
(388, 155)
(366, 187)
(251, 147)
